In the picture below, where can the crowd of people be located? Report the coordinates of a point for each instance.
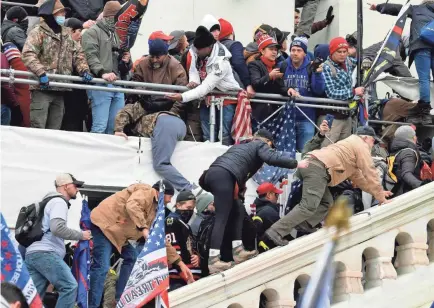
(209, 229)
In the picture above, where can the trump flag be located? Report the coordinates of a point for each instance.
(149, 278)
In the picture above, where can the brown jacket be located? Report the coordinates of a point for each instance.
(172, 255)
(119, 215)
(171, 72)
(351, 159)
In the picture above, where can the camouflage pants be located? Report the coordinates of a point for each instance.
(47, 109)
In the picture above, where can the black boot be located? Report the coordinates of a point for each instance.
(414, 115)
(425, 112)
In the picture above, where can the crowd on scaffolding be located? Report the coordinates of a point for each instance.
(209, 229)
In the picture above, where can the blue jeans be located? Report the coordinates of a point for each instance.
(228, 115)
(48, 267)
(304, 132)
(6, 115)
(102, 251)
(424, 60)
(105, 107)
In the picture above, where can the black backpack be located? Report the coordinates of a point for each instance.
(203, 241)
(28, 228)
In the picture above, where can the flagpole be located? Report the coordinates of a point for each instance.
(359, 42)
(158, 297)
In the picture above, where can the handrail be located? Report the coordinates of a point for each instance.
(171, 87)
(18, 4)
(135, 91)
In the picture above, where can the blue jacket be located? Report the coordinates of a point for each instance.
(306, 85)
(237, 60)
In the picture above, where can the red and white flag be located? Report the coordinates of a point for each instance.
(242, 124)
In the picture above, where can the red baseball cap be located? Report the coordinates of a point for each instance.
(267, 187)
(160, 35)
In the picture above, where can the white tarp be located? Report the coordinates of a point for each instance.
(31, 159)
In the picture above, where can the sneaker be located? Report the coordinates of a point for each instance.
(240, 254)
(276, 238)
(216, 265)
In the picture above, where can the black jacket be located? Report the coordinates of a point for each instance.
(12, 32)
(244, 160)
(261, 83)
(84, 9)
(239, 66)
(407, 165)
(267, 211)
(420, 15)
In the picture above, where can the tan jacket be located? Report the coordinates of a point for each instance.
(119, 215)
(351, 159)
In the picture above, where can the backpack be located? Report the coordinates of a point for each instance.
(203, 238)
(28, 228)
(427, 33)
(390, 178)
(228, 44)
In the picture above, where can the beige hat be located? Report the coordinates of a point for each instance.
(111, 8)
(67, 178)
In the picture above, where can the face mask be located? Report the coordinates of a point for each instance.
(60, 20)
(24, 24)
(185, 215)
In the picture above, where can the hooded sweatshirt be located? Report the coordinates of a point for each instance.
(306, 84)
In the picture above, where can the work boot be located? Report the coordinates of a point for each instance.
(425, 112)
(216, 265)
(240, 254)
(276, 238)
(414, 115)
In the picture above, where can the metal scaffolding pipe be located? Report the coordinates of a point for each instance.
(17, 4)
(395, 123)
(135, 91)
(172, 87)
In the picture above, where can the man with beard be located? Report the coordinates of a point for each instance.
(157, 117)
(14, 27)
(179, 234)
(44, 258)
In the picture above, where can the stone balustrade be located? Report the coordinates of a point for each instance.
(385, 245)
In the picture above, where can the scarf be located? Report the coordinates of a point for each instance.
(110, 22)
(269, 64)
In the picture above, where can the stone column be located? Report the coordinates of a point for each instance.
(281, 303)
(431, 246)
(378, 269)
(409, 256)
(347, 282)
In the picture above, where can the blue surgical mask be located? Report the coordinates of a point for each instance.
(60, 20)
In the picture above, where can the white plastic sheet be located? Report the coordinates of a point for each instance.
(31, 159)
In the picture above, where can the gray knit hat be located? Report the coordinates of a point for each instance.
(202, 202)
(405, 132)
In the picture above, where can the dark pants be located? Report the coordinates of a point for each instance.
(315, 201)
(102, 251)
(76, 109)
(222, 184)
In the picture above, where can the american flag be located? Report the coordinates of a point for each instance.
(150, 275)
(14, 269)
(283, 129)
(242, 124)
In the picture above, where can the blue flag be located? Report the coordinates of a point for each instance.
(283, 129)
(14, 269)
(81, 263)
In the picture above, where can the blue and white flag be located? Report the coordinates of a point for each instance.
(283, 129)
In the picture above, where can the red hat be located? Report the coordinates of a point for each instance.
(160, 35)
(338, 43)
(226, 28)
(265, 41)
(267, 187)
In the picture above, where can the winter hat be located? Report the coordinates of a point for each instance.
(265, 134)
(190, 37)
(202, 202)
(210, 22)
(111, 8)
(185, 195)
(265, 41)
(73, 23)
(280, 35)
(11, 51)
(168, 188)
(405, 132)
(16, 12)
(203, 38)
(177, 35)
(262, 29)
(301, 42)
(322, 51)
(58, 6)
(158, 47)
(338, 43)
(226, 28)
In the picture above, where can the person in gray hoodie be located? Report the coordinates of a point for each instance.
(44, 258)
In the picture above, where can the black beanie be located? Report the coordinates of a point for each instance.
(73, 23)
(168, 188)
(16, 12)
(203, 38)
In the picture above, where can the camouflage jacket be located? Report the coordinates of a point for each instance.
(48, 52)
(134, 120)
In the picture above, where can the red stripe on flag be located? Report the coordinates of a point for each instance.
(397, 30)
(241, 124)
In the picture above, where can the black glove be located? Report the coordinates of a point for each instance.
(330, 17)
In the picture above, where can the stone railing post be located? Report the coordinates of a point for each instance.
(409, 256)
(431, 246)
(377, 270)
(346, 283)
